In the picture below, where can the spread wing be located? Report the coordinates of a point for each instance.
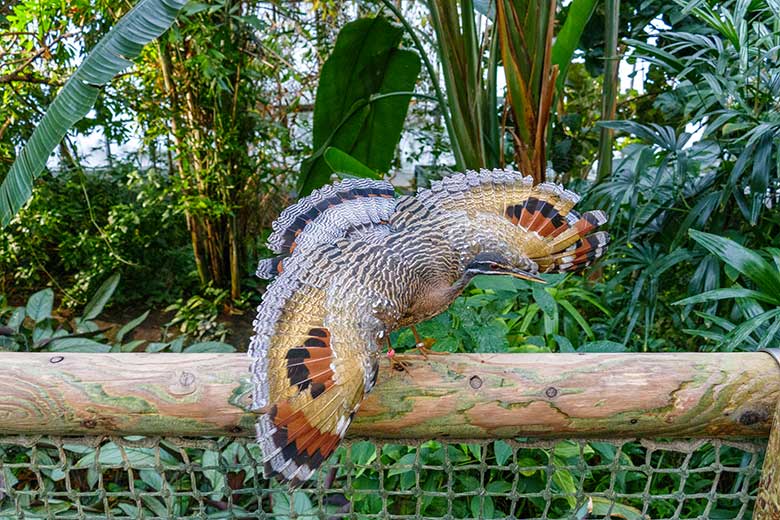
(539, 222)
(312, 366)
(344, 209)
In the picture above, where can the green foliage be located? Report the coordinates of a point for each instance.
(343, 163)
(658, 190)
(759, 325)
(520, 36)
(146, 21)
(198, 316)
(504, 314)
(568, 38)
(79, 228)
(33, 327)
(362, 99)
(726, 80)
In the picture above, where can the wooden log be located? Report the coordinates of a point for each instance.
(453, 396)
(768, 499)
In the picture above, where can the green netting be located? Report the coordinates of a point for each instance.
(141, 477)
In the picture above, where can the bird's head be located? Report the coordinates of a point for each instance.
(497, 264)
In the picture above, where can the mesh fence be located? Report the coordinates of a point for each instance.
(142, 477)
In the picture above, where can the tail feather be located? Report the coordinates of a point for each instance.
(577, 256)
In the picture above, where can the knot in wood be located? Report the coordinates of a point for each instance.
(551, 392)
(89, 423)
(751, 417)
(183, 384)
(475, 382)
(56, 359)
(186, 378)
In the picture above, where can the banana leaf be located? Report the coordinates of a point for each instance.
(113, 53)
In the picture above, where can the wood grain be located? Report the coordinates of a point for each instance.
(454, 396)
(768, 499)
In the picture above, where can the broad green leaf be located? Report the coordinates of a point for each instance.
(583, 510)
(42, 331)
(490, 337)
(602, 506)
(545, 300)
(503, 452)
(564, 345)
(156, 347)
(722, 294)
(747, 262)
(100, 298)
(40, 305)
(526, 463)
(499, 486)
(111, 455)
(482, 507)
(130, 326)
(499, 283)
(356, 109)
(77, 345)
(156, 506)
(564, 482)
(404, 464)
(341, 162)
(17, 318)
(362, 454)
(568, 37)
(112, 54)
(151, 478)
(213, 474)
(602, 346)
(209, 346)
(130, 346)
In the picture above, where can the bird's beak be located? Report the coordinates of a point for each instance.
(525, 275)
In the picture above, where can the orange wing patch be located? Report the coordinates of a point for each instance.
(302, 443)
(537, 215)
(570, 241)
(309, 365)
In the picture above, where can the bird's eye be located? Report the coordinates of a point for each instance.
(495, 266)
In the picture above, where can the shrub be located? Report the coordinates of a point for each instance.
(81, 227)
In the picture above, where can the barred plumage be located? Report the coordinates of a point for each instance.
(358, 263)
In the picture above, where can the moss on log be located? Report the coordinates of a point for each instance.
(454, 396)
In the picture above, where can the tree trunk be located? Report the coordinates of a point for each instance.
(166, 67)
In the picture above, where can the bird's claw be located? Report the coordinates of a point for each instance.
(395, 363)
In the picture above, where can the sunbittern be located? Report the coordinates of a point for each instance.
(357, 263)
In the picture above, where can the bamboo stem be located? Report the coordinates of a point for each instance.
(454, 396)
(611, 87)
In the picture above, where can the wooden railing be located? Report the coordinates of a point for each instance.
(671, 395)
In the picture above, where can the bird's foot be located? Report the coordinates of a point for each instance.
(423, 345)
(395, 363)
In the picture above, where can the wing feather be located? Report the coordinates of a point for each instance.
(502, 210)
(312, 357)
